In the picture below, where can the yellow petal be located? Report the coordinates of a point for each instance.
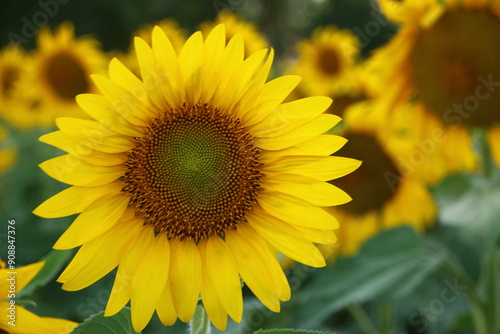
(295, 211)
(23, 276)
(224, 276)
(213, 50)
(314, 191)
(98, 257)
(97, 135)
(95, 220)
(185, 277)
(121, 75)
(317, 236)
(320, 145)
(321, 168)
(270, 96)
(314, 128)
(258, 267)
(289, 116)
(149, 90)
(123, 101)
(167, 69)
(285, 238)
(74, 171)
(75, 200)
(121, 292)
(82, 150)
(211, 301)
(190, 63)
(232, 58)
(27, 322)
(150, 278)
(99, 108)
(254, 91)
(165, 308)
(239, 81)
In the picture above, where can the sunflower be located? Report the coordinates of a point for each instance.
(325, 61)
(445, 56)
(19, 102)
(24, 321)
(8, 153)
(61, 69)
(12, 68)
(189, 179)
(388, 190)
(254, 40)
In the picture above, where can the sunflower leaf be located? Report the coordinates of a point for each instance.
(120, 323)
(54, 261)
(389, 266)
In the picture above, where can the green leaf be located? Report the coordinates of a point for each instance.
(200, 324)
(54, 261)
(289, 331)
(470, 202)
(120, 323)
(389, 266)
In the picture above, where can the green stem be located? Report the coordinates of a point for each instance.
(362, 319)
(477, 311)
(487, 158)
(492, 292)
(386, 318)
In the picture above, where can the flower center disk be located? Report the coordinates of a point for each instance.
(368, 185)
(194, 174)
(328, 62)
(455, 66)
(66, 76)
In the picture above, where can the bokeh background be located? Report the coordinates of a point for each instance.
(428, 264)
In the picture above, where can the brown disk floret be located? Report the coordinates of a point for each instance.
(194, 174)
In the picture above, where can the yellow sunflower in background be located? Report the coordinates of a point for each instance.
(8, 153)
(325, 61)
(25, 321)
(253, 39)
(387, 189)
(175, 34)
(19, 103)
(12, 68)
(190, 178)
(445, 56)
(62, 66)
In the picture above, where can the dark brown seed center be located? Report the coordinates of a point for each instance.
(328, 62)
(195, 173)
(456, 69)
(66, 77)
(368, 185)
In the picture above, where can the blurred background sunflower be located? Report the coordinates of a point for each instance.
(417, 84)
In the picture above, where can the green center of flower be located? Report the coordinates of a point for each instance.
(328, 62)
(456, 69)
(65, 76)
(194, 174)
(368, 185)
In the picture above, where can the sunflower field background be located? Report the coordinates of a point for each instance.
(417, 84)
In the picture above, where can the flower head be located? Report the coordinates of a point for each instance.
(445, 57)
(188, 179)
(61, 69)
